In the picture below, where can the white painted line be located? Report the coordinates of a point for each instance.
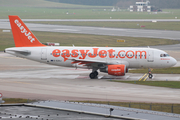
(65, 30)
(6, 30)
(112, 29)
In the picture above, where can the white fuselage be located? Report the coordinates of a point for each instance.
(132, 57)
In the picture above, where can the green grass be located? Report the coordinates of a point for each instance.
(40, 9)
(172, 70)
(67, 39)
(134, 25)
(169, 84)
(41, 4)
(16, 100)
(147, 106)
(54, 13)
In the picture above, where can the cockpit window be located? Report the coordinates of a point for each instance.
(164, 55)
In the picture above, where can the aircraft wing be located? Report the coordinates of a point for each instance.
(95, 63)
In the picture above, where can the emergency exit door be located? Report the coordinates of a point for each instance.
(150, 56)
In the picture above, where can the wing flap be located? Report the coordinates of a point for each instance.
(88, 62)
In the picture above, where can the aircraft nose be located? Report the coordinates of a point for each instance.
(173, 61)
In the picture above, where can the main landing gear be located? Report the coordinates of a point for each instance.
(93, 75)
(150, 74)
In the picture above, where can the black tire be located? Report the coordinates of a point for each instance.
(150, 76)
(92, 75)
(96, 73)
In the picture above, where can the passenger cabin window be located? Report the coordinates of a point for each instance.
(164, 55)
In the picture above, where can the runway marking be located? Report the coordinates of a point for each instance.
(144, 77)
(112, 29)
(66, 29)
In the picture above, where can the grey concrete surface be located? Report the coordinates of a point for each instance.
(102, 109)
(175, 47)
(175, 35)
(21, 78)
(33, 113)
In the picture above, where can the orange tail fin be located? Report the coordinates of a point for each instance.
(23, 37)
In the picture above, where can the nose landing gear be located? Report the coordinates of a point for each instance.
(150, 74)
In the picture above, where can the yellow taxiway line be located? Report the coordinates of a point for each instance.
(144, 77)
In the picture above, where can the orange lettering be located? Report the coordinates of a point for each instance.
(74, 53)
(129, 56)
(140, 54)
(94, 54)
(111, 53)
(65, 54)
(120, 54)
(83, 54)
(56, 53)
(102, 53)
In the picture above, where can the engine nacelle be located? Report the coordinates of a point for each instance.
(116, 70)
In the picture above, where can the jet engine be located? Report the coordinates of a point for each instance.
(116, 70)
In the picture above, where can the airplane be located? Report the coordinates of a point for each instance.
(112, 60)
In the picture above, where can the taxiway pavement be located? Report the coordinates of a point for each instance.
(22, 78)
(165, 34)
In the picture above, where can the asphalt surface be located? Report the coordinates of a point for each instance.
(166, 34)
(175, 47)
(21, 78)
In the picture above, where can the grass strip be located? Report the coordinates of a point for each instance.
(172, 70)
(17, 100)
(169, 84)
(67, 39)
(171, 108)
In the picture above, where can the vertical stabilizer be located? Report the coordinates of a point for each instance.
(23, 37)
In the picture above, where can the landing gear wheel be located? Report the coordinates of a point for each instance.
(96, 73)
(92, 75)
(150, 76)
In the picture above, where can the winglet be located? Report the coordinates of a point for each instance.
(23, 37)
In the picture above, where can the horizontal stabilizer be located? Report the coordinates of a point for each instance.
(23, 52)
